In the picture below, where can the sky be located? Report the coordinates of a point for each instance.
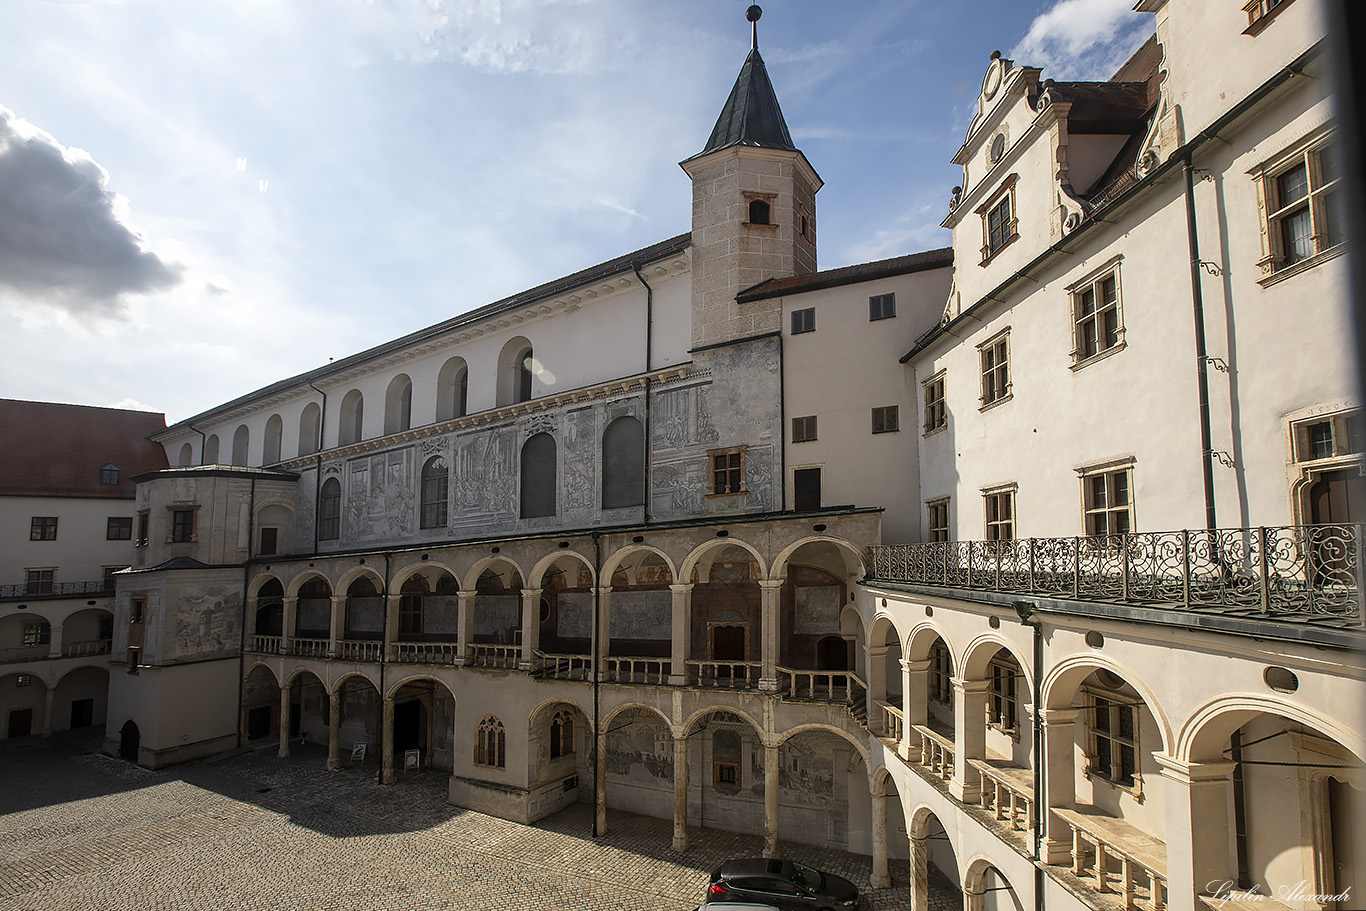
(198, 199)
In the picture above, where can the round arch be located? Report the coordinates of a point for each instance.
(1061, 684)
(619, 557)
(846, 548)
(351, 675)
(698, 715)
(299, 581)
(698, 553)
(1204, 734)
(533, 579)
(259, 582)
(916, 646)
(251, 669)
(607, 718)
(982, 649)
(489, 562)
(548, 704)
(877, 630)
(787, 735)
(37, 678)
(298, 672)
(414, 678)
(350, 576)
(403, 574)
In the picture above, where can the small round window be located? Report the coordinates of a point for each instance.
(998, 148)
(1280, 679)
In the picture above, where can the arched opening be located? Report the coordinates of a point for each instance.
(87, 632)
(351, 427)
(260, 705)
(497, 638)
(210, 450)
(310, 429)
(240, 440)
(760, 213)
(986, 888)
(424, 726)
(640, 610)
(516, 366)
(640, 763)
(436, 475)
(275, 429)
(269, 617)
(309, 710)
(623, 464)
(539, 476)
(832, 653)
(452, 390)
(817, 790)
(25, 636)
(329, 510)
(358, 719)
(566, 618)
(186, 458)
(727, 619)
(428, 619)
(130, 739)
(398, 404)
(933, 861)
(313, 617)
(364, 620)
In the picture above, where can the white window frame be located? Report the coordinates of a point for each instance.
(935, 397)
(1309, 153)
(1090, 509)
(936, 532)
(1009, 229)
(1094, 282)
(993, 363)
(991, 526)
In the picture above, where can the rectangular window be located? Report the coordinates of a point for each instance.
(43, 528)
(1301, 207)
(727, 471)
(804, 429)
(940, 680)
(38, 633)
(937, 523)
(998, 224)
(1328, 436)
(120, 528)
(1113, 741)
(134, 659)
(881, 306)
(143, 524)
(727, 774)
(38, 581)
(994, 357)
(999, 509)
(936, 412)
(137, 610)
(806, 489)
(1261, 12)
(182, 526)
(23, 680)
(999, 219)
(1096, 316)
(804, 320)
(269, 540)
(1108, 503)
(1003, 707)
(886, 419)
(410, 615)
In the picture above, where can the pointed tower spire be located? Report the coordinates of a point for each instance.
(751, 115)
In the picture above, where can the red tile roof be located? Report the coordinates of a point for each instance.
(47, 449)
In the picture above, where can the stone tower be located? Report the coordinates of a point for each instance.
(753, 210)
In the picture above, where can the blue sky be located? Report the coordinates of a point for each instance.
(198, 199)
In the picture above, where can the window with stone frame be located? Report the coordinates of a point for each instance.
(1112, 738)
(1107, 499)
(994, 359)
(998, 508)
(329, 510)
(1260, 14)
(435, 486)
(939, 681)
(936, 409)
(410, 610)
(1298, 193)
(1328, 436)
(37, 632)
(937, 520)
(490, 744)
(727, 471)
(999, 220)
(1097, 323)
(182, 525)
(562, 734)
(1003, 704)
(144, 525)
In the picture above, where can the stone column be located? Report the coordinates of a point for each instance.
(915, 701)
(386, 745)
(874, 661)
(770, 800)
(531, 627)
(600, 784)
(1198, 833)
(47, 711)
(336, 628)
(602, 633)
(1060, 781)
(466, 626)
(290, 623)
(283, 752)
(880, 878)
(920, 874)
(969, 737)
(974, 896)
(682, 630)
(770, 593)
(680, 792)
(334, 704)
(54, 649)
(391, 634)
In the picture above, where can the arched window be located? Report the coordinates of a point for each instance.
(538, 476)
(758, 212)
(490, 746)
(623, 464)
(562, 734)
(270, 609)
(410, 606)
(516, 365)
(329, 511)
(270, 451)
(186, 456)
(310, 423)
(352, 418)
(435, 484)
(398, 404)
(452, 390)
(524, 361)
(210, 450)
(240, 440)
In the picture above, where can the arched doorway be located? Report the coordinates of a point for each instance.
(130, 739)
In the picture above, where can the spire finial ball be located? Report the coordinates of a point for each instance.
(753, 13)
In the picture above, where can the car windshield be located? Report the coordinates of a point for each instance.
(806, 878)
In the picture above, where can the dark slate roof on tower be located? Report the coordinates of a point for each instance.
(751, 116)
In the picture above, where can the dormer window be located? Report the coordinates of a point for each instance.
(109, 475)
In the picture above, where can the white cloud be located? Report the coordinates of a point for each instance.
(1083, 39)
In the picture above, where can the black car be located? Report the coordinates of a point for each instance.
(783, 883)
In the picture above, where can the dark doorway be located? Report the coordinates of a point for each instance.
(832, 654)
(728, 643)
(258, 722)
(20, 723)
(82, 713)
(1335, 498)
(409, 718)
(296, 720)
(130, 738)
(806, 489)
(1347, 853)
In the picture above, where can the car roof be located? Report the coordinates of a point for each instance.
(753, 867)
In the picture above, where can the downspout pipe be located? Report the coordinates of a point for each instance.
(1026, 613)
(203, 440)
(649, 365)
(242, 649)
(597, 647)
(383, 651)
(318, 475)
(1201, 360)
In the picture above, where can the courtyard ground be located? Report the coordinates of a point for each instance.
(82, 830)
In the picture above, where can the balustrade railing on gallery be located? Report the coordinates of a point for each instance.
(936, 752)
(740, 675)
(1007, 793)
(48, 589)
(23, 653)
(88, 647)
(893, 724)
(653, 671)
(267, 645)
(494, 656)
(825, 686)
(308, 648)
(426, 652)
(1289, 572)
(565, 667)
(359, 649)
(1101, 842)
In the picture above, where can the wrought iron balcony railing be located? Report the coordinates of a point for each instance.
(1287, 572)
(50, 589)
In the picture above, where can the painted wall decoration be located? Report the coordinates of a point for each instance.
(497, 616)
(817, 609)
(574, 615)
(379, 496)
(206, 622)
(641, 750)
(641, 615)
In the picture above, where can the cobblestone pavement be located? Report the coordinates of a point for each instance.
(81, 830)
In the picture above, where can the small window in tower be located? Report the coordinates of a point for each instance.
(759, 212)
